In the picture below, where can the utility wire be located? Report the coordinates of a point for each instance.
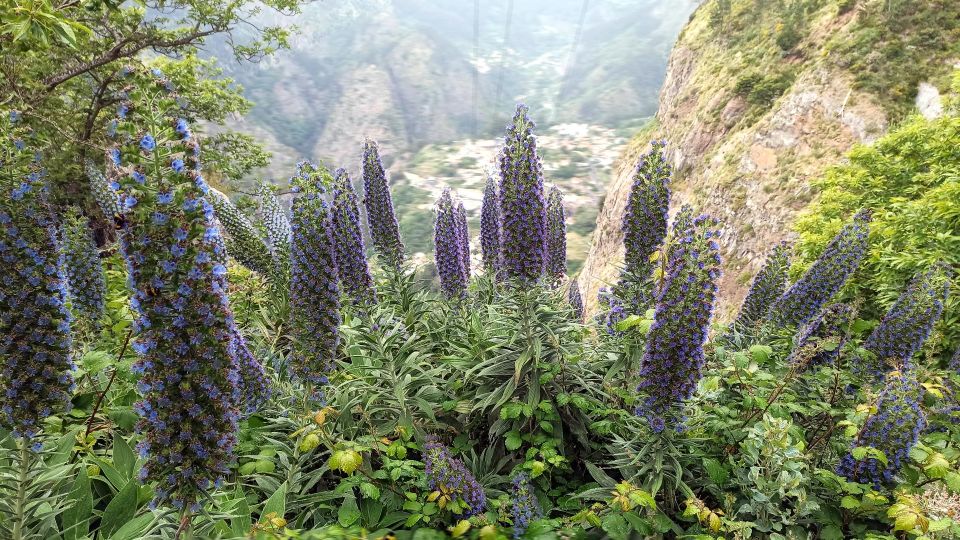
(476, 68)
(503, 52)
(572, 55)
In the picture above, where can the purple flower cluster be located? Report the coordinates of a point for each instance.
(314, 293)
(255, 387)
(954, 364)
(445, 472)
(170, 240)
(35, 361)
(767, 286)
(490, 228)
(673, 358)
(556, 235)
(818, 343)
(384, 229)
(448, 248)
(277, 227)
(243, 240)
(352, 265)
(908, 324)
(645, 218)
(525, 507)
(575, 299)
(893, 429)
(105, 197)
(81, 259)
(612, 312)
(842, 256)
(522, 204)
(463, 233)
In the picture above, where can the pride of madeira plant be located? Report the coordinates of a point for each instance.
(189, 372)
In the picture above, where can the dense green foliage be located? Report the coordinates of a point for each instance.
(911, 179)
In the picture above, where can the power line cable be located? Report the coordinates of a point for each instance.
(503, 52)
(571, 56)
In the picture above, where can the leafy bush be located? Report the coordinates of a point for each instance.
(909, 179)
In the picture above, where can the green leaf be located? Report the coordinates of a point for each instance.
(369, 490)
(599, 475)
(349, 513)
(121, 509)
(937, 466)
(717, 472)
(94, 362)
(513, 440)
(123, 457)
(905, 522)
(241, 523)
(277, 503)
(952, 480)
(760, 353)
(511, 410)
(831, 532)
(264, 467)
(76, 518)
(133, 529)
(849, 502)
(615, 526)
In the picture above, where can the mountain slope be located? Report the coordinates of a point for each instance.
(750, 119)
(404, 72)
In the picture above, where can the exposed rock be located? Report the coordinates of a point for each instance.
(746, 165)
(733, 112)
(928, 101)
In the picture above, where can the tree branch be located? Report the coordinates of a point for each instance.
(126, 48)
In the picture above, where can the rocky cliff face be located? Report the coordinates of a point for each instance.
(748, 125)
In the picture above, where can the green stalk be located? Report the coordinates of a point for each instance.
(20, 506)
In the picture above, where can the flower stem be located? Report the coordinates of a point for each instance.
(20, 506)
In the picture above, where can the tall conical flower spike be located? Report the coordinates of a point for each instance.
(352, 266)
(314, 293)
(255, 386)
(243, 240)
(277, 227)
(463, 232)
(908, 324)
(842, 256)
(522, 204)
(171, 243)
(81, 259)
(103, 193)
(673, 357)
(556, 235)
(525, 507)
(448, 248)
(35, 363)
(767, 286)
(893, 429)
(644, 223)
(384, 228)
(490, 228)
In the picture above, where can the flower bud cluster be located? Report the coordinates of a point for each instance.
(446, 473)
(673, 357)
(35, 361)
